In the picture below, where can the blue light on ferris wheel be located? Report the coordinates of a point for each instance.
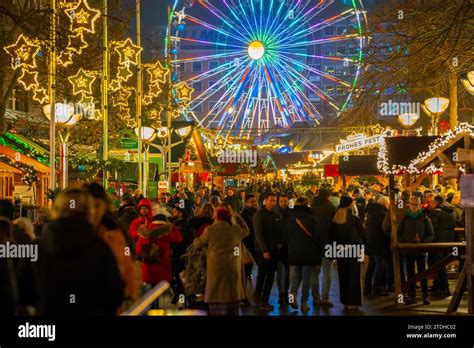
(181, 27)
(174, 51)
(174, 77)
(284, 149)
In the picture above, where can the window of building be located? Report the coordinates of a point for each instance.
(182, 67)
(197, 67)
(198, 108)
(197, 86)
(212, 85)
(341, 50)
(329, 31)
(341, 30)
(213, 65)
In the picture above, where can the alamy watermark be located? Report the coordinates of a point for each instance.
(19, 251)
(344, 251)
(394, 108)
(238, 156)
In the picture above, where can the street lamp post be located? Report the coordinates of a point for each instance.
(147, 135)
(52, 96)
(64, 116)
(407, 120)
(434, 107)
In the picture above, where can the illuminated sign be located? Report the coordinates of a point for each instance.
(358, 141)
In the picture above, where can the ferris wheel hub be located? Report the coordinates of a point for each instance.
(256, 50)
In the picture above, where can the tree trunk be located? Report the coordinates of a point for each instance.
(453, 91)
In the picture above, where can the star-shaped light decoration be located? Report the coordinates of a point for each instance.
(128, 52)
(161, 132)
(23, 53)
(97, 115)
(77, 43)
(157, 72)
(83, 17)
(154, 90)
(147, 100)
(87, 102)
(65, 58)
(121, 98)
(81, 82)
(115, 85)
(184, 91)
(124, 72)
(180, 15)
(40, 95)
(377, 129)
(28, 79)
(220, 143)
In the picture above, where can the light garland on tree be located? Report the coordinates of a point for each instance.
(30, 173)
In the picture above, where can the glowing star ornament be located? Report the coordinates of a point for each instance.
(154, 90)
(220, 143)
(65, 58)
(76, 43)
(184, 91)
(87, 102)
(28, 79)
(40, 95)
(124, 73)
(121, 98)
(147, 100)
(128, 52)
(115, 85)
(158, 73)
(82, 82)
(23, 53)
(83, 17)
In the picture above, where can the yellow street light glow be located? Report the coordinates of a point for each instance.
(436, 106)
(468, 82)
(256, 50)
(408, 120)
(148, 134)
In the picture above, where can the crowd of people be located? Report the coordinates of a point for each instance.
(96, 259)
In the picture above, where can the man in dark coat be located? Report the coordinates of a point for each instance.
(267, 225)
(247, 214)
(415, 227)
(378, 245)
(283, 269)
(233, 200)
(304, 251)
(127, 212)
(324, 212)
(443, 218)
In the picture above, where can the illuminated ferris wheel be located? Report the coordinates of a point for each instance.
(268, 63)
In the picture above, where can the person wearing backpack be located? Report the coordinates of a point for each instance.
(154, 249)
(304, 251)
(415, 227)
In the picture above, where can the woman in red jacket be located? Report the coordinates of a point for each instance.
(144, 209)
(153, 248)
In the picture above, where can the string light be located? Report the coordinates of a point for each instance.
(76, 43)
(184, 91)
(39, 94)
(157, 73)
(65, 58)
(124, 73)
(30, 173)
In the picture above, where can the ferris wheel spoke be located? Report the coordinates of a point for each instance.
(323, 95)
(207, 42)
(253, 14)
(210, 73)
(321, 41)
(293, 7)
(219, 30)
(219, 14)
(244, 19)
(234, 81)
(339, 59)
(319, 26)
(318, 72)
(275, 18)
(210, 57)
(220, 84)
(281, 103)
(240, 24)
(312, 13)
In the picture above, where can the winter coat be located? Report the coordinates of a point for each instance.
(413, 225)
(303, 249)
(352, 232)
(360, 204)
(225, 270)
(324, 212)
(7, 289)
(234, 202)
(115, 239)
(458, 211)
(378, 243)
(247, 214)
(285, 237)
(141, 220)
(443, 219)
(126, 214)
(76, 271)
(268, 230)
(399, 215)
(162, 235)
